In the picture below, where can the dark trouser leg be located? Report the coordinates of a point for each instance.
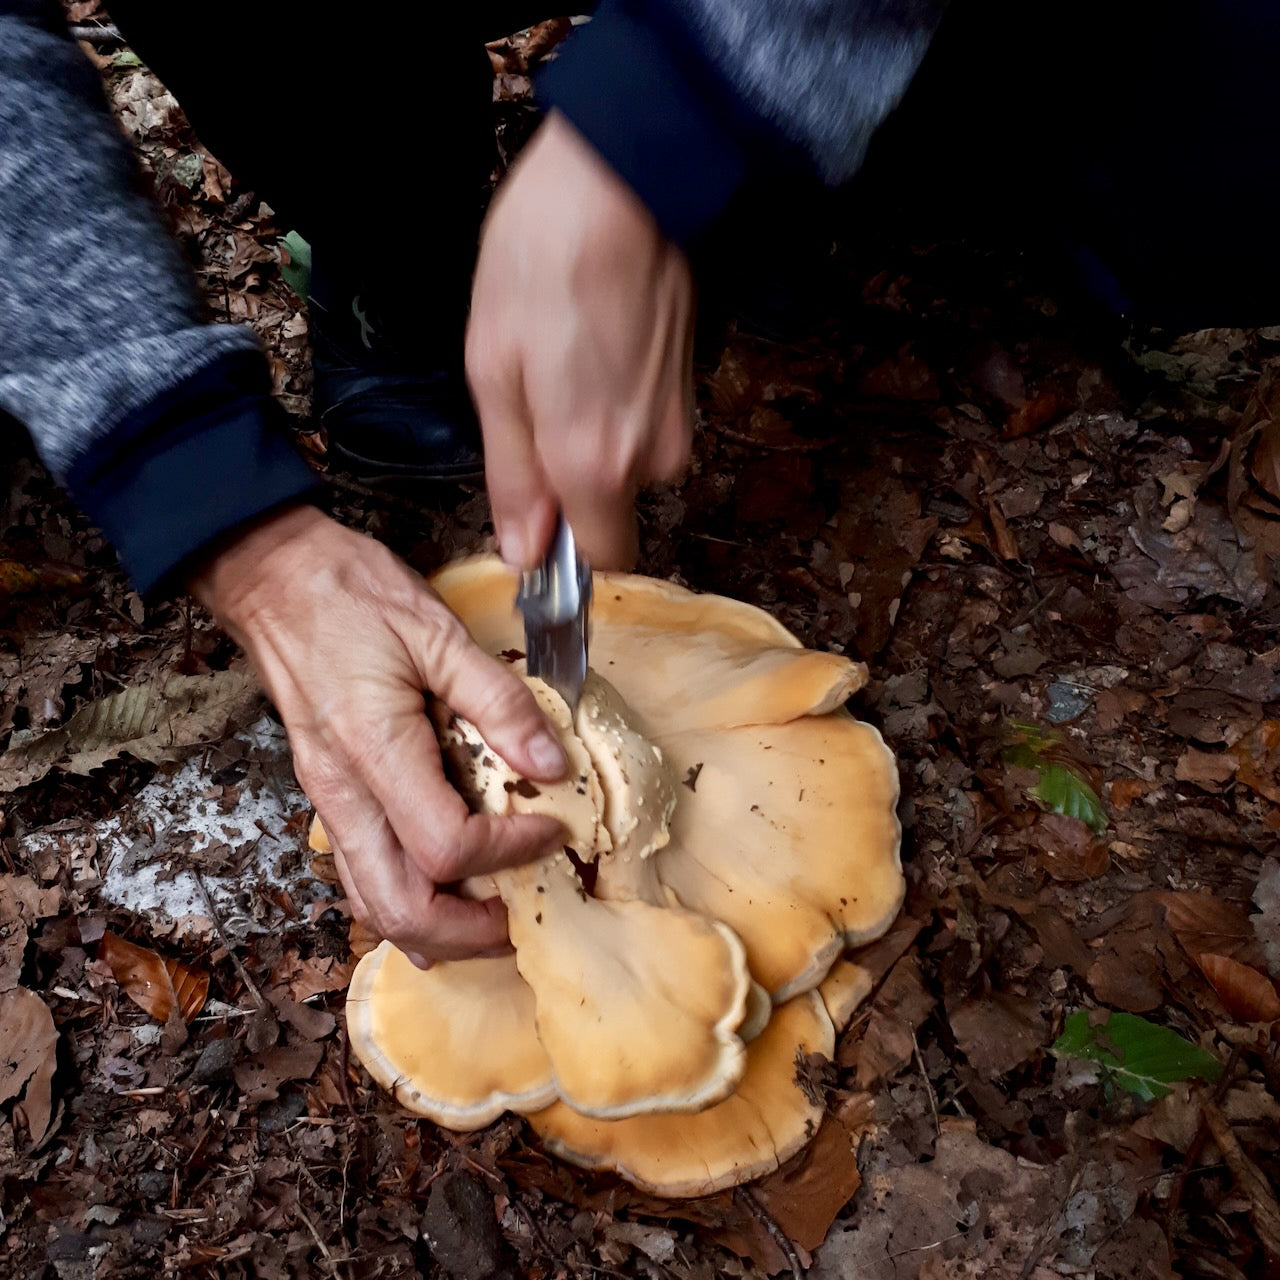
(374, 139)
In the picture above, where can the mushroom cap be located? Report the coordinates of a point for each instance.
(780, 849)
(679, 660)
(482, 1055)
(763, 1123)
(812, 863)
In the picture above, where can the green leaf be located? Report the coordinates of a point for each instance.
(297, 271)
(1061, 786)
(1064, 790)
(1138, 1055)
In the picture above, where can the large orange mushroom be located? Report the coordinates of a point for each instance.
(733, 831)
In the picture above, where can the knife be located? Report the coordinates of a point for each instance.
(554, 599)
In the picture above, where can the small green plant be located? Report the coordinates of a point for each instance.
(1135, 1054)
(1062, 786)
(297, 271)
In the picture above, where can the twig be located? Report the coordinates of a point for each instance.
(928, 1084)
(249, 983)
(315, 1235)
(779, 1237)
(1263, 1208)
(924, 1248)
(103, 34)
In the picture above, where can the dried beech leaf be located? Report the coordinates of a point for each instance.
(1249, 996)
(1203, 923)
(28, 1056)
(152, 722)
(1258, 755)
(154, 984)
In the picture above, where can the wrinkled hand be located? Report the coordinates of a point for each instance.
(579, 352)
(346, 638)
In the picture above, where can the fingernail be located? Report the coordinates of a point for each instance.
(495, 953)
(420, 961)
(547, 755)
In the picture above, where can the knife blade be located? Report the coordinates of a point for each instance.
(554, 599)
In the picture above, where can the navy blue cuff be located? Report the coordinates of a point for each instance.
(635, 86)
(175, 477)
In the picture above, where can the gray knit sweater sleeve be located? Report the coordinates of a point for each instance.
(691, 100)
(823, 73)
(98, 314)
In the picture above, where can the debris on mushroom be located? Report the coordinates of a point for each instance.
(730, 830)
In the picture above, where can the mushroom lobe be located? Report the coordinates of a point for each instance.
(481, 1057)
(761, 1125)
(638, 1001)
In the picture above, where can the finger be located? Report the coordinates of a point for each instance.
(603, 520)
(405, 906)
(670, 453)
(499, 704)
(359, 908)
(524, 508)
(440, 836)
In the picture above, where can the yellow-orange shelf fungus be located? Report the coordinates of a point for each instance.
(730, 830)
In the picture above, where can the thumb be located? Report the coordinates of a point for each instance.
(502, 707)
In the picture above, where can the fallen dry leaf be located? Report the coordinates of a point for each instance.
(999, 1031)
(804, 1198)
(261, 1076)
(1209, 769)
(22, 903)
(1258, 757)
(887, 1043)
(153, 722)
(28, 1056)
(155, 984)
(1249, 996)
(1205, 924)
(1069, 850)
(1165, 570)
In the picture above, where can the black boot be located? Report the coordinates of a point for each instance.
(390, 395)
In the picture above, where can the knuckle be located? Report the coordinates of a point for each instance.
(447, 859)
(401, 921)
(443, 638)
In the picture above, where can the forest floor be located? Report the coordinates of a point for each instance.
(1058, 557)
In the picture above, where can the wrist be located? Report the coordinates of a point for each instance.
(247, 570)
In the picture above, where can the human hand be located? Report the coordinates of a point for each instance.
(579, 352)
(346, 638)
